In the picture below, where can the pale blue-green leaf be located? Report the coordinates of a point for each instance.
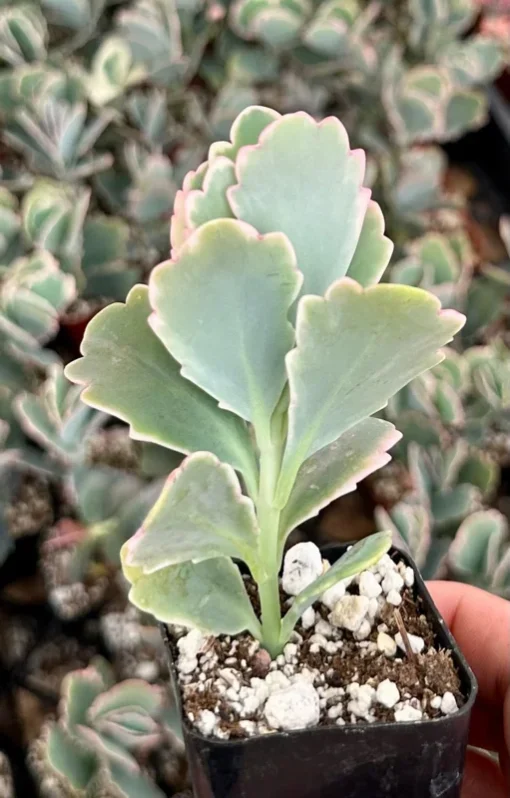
(410, 521)
(200, 514)
(373, 251)
(221, 310)
(245, 130)
(465, 110)
(133, 694)
(133, 785)
(358, 558)
(210, 202)
(303, 180)
(70, 759)
(209, 595)
(336, 470)
(378, 339)
(477, 539)
(127, 372)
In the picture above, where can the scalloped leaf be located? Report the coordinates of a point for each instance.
(210, 202)
(133, 785)
(200, 514)
(373, 251)
(209, 595)
(237, 356)
(79, 690)
(336, 470)
(246, 129)
(317, 186)
(129, 728)
(465, 110)
(469, 554)
(120, 349)
(358, 558)
(132, 693)
(412, 522)
(379, 338)
(70, 759)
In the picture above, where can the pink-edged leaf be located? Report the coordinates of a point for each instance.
(79, 690)
(107, 749)
(132, 693)
(200, 514)
(302, 179)
(378, 338)
(336, 470)
(221, 310)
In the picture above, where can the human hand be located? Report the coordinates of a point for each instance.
(480, 624)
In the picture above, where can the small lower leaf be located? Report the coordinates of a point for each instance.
(209, 595)
(358, 558)
(200, 514)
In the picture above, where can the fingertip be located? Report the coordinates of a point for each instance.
(480, 623)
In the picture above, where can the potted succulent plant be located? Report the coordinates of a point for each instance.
(262, 351)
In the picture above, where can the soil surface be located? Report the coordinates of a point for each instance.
(385, 668)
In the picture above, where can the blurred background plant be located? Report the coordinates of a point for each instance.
(105, 106)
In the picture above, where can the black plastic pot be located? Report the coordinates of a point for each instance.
(390, 760)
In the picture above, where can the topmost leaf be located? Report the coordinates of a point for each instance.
(295, 176)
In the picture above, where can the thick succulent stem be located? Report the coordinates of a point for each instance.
(269, 520)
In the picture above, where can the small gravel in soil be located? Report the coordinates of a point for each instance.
(346, 662)
(31, 510)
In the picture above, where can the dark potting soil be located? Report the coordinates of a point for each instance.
(423, 678)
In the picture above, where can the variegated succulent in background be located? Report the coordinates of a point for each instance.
(104, 735)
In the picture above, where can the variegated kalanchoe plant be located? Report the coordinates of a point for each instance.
(101, 730)
(260, 350)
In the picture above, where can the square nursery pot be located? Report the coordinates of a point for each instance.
(423, 759)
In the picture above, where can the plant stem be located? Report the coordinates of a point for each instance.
(269, 521)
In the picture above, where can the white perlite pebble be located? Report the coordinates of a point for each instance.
(323, 628)
(206, 722)
(229, 676)
(417, 643)
(435, 702)
(409, 577)
(394, 598)
(333, 595)
(364, 631)
(448, 704)
(308, 618)
(302, 565)
(407, 713)
(350, 612)
(276, 680)
(368, 585)
(189, 646)
(388, 694)
(362, 699)
(295, 707)
(392, 581)
(386, 644)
